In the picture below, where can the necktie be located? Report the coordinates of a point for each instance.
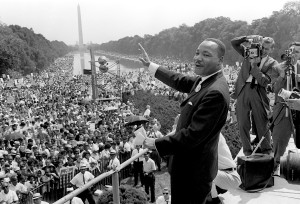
(293, 78)
(198, 87)
(253, 79)
(138, 157)
(83, 178)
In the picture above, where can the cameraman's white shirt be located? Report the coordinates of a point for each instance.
(262, 62)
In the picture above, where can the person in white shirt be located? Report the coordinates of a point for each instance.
(147, 111)
(81, 179)
(8, 196)
(227, 177)
(114, 161)
(165, 198)
(74, 200)
(126, 146)
(37, 199)
(149, 178)
(17, 187)
(137, 166)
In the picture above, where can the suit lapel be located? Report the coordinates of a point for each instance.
(203, 86)
(192, 93)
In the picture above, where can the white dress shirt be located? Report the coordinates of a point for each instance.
(148, 166)
(10, 197)
(114, 163)
(162, 200)
(262, 62)
(134, 152)
(78, 179)
(225, 160)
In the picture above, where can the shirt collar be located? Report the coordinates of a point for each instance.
(206, 77)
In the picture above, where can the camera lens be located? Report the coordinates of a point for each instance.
(290, 167)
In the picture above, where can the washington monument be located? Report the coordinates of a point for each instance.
(80, 40)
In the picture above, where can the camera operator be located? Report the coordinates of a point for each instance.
(283, 126)
(250, 88)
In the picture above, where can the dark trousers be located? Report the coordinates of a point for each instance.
(249, 100)
(149, 181)
(282, 131)
(138, 171)
(156, 158)
(87, 194)
(196, 193)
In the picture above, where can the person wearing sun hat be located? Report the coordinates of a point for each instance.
(114, 161)
(80, 180)
(37, 199)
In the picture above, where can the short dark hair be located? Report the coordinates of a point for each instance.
(294, 44)
(221, 46)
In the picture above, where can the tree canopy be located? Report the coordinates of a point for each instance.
(181, 42)
(23, 51)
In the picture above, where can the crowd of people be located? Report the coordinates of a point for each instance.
(48, 122)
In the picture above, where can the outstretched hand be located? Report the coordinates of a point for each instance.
(149, 143)
(145, 59)
(293, 104)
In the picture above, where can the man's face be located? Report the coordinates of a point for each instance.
(206, 59)
(82, 171)
(297, 52)
(7, 168)
(267, 49)
(14, 182)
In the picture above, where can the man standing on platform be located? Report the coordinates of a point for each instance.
(283, 125)
(80, 180)
(137, 166)
(149, 178)
(193, 149)
(251, 90)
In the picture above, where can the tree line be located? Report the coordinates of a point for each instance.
(22, 51)
(181, 42)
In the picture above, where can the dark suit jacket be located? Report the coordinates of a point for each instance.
(194, 147)
(262, 76)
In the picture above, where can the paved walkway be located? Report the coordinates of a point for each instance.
(282, 192)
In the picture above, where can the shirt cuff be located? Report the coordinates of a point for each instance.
(153, 67)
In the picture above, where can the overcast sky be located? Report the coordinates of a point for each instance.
(105, 20)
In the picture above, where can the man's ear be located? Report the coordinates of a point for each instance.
(221, 59)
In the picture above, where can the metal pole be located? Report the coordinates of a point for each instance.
(94, 77)
(115, 183)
